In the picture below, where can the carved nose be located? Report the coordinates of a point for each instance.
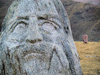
(34, 38)
(33, 34)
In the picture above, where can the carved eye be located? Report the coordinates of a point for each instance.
(49, 27)
(20, 28)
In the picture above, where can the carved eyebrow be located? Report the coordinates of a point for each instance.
(25, 18)
(19, 20)
(50, 18)
(54, 16)
(55, 19)
(43, 17)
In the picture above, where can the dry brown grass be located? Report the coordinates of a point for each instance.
(89, 57)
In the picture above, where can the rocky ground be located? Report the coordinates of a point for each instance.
(84, 18)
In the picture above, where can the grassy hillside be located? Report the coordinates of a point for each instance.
(89, 57)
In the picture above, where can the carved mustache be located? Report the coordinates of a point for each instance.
(23, 50)
(42, 50)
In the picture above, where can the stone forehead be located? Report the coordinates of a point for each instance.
(35, 7)
(21, 7)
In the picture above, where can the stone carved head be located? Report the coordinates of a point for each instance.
(36, 39)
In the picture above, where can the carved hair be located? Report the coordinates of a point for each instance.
(9, 15)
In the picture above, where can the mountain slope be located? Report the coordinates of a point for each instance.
(94, 2)
(84, 19)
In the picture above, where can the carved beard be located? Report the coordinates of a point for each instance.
(39, 58)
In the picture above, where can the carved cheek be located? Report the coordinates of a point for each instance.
(16, 36)
(11, 41)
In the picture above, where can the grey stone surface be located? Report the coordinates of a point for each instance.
(36, 39)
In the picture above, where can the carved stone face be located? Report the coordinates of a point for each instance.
(35, 23)
(36, 39)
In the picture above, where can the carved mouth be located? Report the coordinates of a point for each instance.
(33, 55)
